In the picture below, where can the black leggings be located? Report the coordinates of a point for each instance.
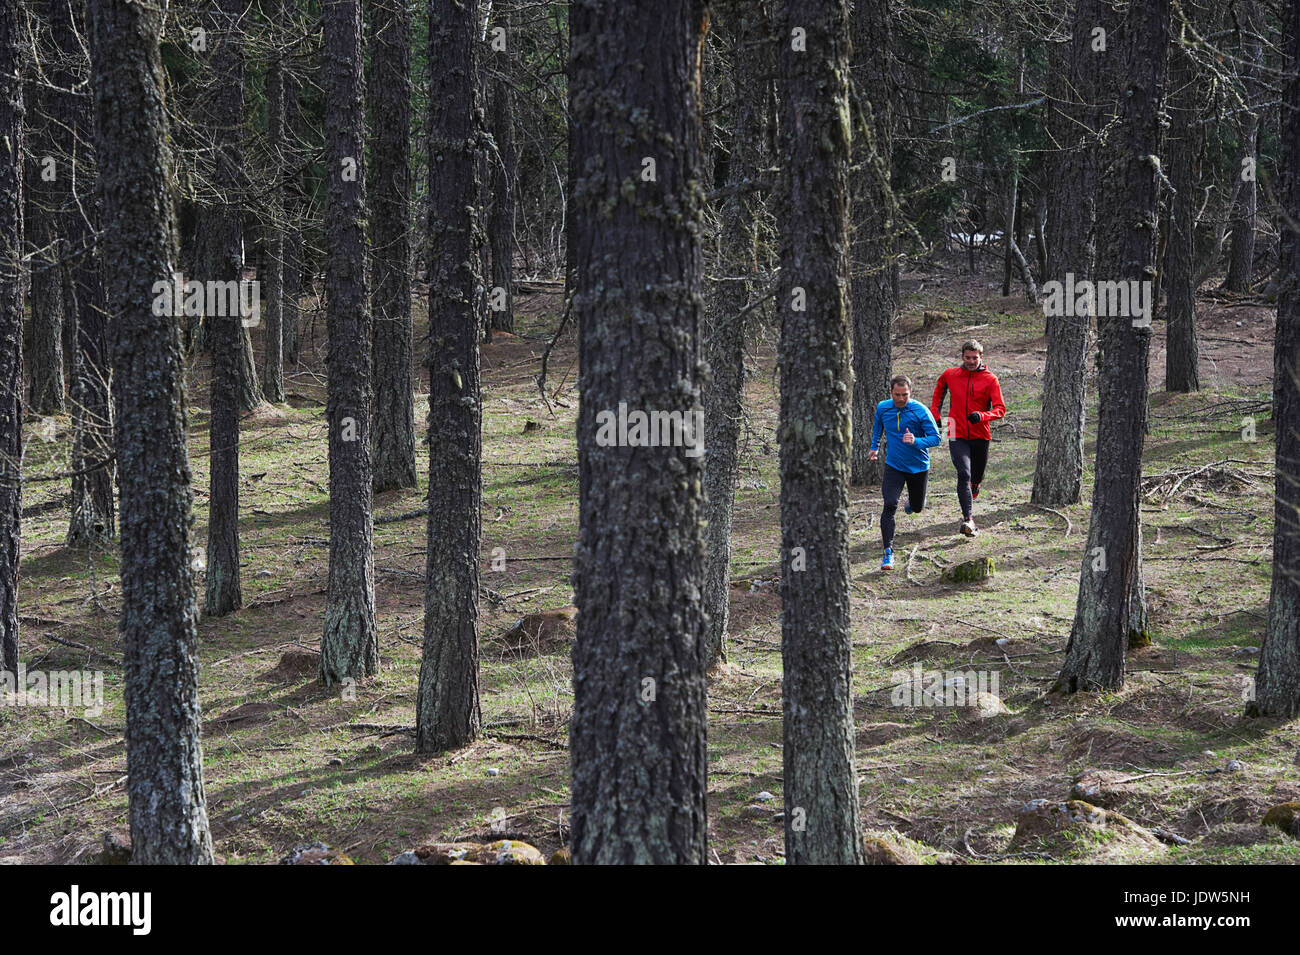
(969, 456)
(892, 486)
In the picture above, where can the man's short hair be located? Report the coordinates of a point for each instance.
(900, 380)
(972, 345)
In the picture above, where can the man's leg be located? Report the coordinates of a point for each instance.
(891, 486)
(916, 485)
(960, 449)
(979, 459)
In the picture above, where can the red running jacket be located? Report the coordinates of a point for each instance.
(971, 391)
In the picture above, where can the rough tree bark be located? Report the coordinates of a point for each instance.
(164, 760)
(1074, 118)
(91, 519)
(389, 91)
(501, 223)
(447, 710)
(1241, 250)
(293, 205)
(726, 316)
(273, 356)
(225, 332)
(44, 179)
(872, 299)
(350, 644)
(822, 819)
(11, 324)
(1106, 608)
(1277, 682)
(637, 739)
(1182, 351)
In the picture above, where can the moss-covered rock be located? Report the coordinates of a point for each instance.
(1286, 817)
(1048, 824)
(510, 852)
(562, 857)
(970, 571)
(888, 848)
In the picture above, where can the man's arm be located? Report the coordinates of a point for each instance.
(999, 408)
(941, 389)
(877, 423)
(931, 437)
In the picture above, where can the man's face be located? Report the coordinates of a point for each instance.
(901, 395)
(970, 359)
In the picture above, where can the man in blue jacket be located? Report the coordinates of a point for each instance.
(910, 432)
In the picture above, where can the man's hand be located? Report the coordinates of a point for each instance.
(907, 436)
(872, 454)
(973, 417)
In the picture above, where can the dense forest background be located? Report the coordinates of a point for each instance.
(310, 545)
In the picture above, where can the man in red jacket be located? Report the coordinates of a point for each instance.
(976, 400)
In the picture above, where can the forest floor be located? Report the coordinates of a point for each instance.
(288, 762)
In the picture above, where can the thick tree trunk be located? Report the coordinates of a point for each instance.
(272, 276)
(349, 645)
(164, 760)
(1074, 118)
(873, 296)
(637, 739)
(1106, 613)
(726, 317)
(225, 332)
(1277, 682)
(389, 101)
(822, 821)
(11, 325)
(1241, 253)
(447, 709)
(1182, 351)
(91, 519)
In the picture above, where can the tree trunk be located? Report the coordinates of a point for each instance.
(1241, 253)
(1104, 616)
(1073, 122)
(390, 202)
(872, 297)
(12, 29)
(293, 207)
(225, 332)
(164, 759)
(726, 317)
(1182, 351)
(822, 822)
(45, 179)
(349, 645)
(1277, 682)
(505, 176)
(249, 392)
(447, 709)
(637, 738)
(273, 277)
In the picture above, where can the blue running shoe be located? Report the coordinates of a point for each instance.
(887, 562)
(907, 506)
